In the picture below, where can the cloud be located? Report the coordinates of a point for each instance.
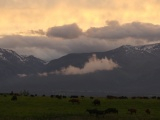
(38, 32)
(39, 46)
(45, 74)
(93, 65)
(22, 75)
(136, 30)
(47, 48)
(69, 31)
(94, 40)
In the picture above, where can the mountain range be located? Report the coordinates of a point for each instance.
(137, 72)
(12, 63)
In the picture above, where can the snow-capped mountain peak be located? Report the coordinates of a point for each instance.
(12, 56)
(153, 49)
(150, 48)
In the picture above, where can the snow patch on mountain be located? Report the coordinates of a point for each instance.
(10, 55)
(143, 49)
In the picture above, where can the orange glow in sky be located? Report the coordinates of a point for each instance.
(21, 16)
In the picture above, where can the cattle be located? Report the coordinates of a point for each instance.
(73, 96)
(91, 97)
(154, 97)
(73, 100)
(111, 97)
(14, 98)
(82, 96)
(133, 97)
(59, 96)
(96, 102)
(122, 97)
(51, 96)
(64, 96)
(158, 98)
(31, 95)
(132, 110)
(111, 110)
(145, 97)
(148, 111)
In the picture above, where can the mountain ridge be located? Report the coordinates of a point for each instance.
(12, 63)
(138, 72)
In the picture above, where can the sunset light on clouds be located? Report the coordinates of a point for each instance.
(59, 27)
(20, 16)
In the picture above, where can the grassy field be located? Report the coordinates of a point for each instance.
(47, 108)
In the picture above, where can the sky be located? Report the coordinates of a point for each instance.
(49, 29)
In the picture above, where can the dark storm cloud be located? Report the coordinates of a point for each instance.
(67, 31)
(136, 30)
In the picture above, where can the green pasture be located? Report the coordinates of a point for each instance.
(47, 108)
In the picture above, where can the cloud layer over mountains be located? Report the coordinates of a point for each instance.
(135, 30)
(61, 40)
(94, 64)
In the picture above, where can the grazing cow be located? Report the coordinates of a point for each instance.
(132, 110)
(43, 95)
(52, 96)
(153, 97)
(91, 97)
(111, 97)
(148, 111)
(96, 102)
(111, 110)
(73, 96)
(82, 96)
(14, 98)
(59, 96)
(64, 96)
(73, 100)
(31, 95)
(158, 98)
(122, 97)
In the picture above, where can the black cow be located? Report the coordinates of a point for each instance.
(59, 96)
(14, 98)
(96, 102)
(132, 110)
(148, 111)
(31, 95)
(73, 96)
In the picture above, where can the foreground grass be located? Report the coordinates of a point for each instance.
(43, 108)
